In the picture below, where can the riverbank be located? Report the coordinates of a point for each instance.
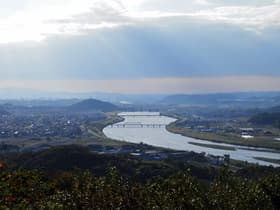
(228, 139)
(268, 160)
(214, 146)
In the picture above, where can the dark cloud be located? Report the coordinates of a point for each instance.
(173, 48)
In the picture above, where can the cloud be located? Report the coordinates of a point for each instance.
(255, 18)
(37, 20)
(203, 2)
(162, 48)
(248, 17)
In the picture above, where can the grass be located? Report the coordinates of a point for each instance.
(96, 128)
(213, 146)
(229, 139)
(277, 161)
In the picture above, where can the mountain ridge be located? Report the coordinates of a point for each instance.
(93, 105)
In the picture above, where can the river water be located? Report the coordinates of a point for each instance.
(159, 136)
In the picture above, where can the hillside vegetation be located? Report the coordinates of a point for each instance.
(272, 119)
(93, 105)
(69, 187)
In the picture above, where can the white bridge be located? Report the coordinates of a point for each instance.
(139, 114)
(138, 125)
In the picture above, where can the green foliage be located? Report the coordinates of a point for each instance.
(92, 105)
(31, 189)
(22, 188)
(71, 158)
(231, 192)
(272, 118)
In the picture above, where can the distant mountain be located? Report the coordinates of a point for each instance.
(28, 95)
(93, 105)
(274, 109)
(38, 102)
(189, 99)
(263, 99)
(268, 116)
(3, 112)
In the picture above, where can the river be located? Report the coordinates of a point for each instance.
(128, 130)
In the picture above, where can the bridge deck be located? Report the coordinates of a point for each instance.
(140, 115)
(137, 125)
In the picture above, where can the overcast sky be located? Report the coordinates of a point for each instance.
(140, 46)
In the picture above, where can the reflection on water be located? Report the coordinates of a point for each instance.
(130, 131)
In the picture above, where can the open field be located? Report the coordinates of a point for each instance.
(213, 146)
(269, 160)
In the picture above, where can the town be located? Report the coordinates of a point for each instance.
(45, 125)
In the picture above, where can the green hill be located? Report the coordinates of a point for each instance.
(274, 109)
(76, 189)
(72, 157)
(266, 118)
(93, 105)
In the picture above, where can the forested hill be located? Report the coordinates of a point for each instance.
(244, 99)
(274, 109)
(93, 105)
(269, 116)
(22, 188)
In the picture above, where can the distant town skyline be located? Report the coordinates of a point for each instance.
(140, 46)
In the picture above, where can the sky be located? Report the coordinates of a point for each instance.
(140, 46)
